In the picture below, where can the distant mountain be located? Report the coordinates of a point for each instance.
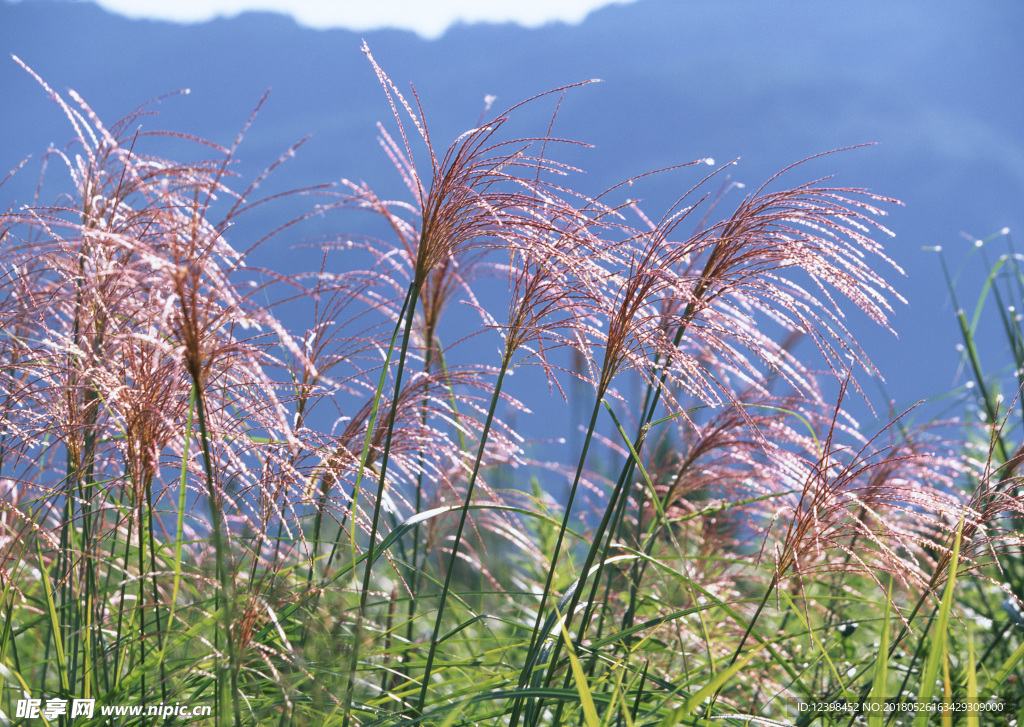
(939, 88)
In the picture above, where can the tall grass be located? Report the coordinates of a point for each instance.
(305, 499)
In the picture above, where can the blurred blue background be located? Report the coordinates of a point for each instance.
(936, 86)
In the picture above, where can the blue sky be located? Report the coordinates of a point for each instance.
(936, 84)
(427, 19)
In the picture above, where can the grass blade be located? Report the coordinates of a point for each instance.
(940, 635)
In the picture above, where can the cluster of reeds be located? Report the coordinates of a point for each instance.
(279, 495)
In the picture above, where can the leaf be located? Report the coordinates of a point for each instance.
(586, 700)
(972, 680)
(938, 645)
(877, 716)
(713, 686)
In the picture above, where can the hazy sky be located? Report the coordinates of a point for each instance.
(427, 18)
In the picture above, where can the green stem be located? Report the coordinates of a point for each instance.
(458, 536)
(991, 407)
(412, 298)
(216, 525)
(612, 511)
(414, 293)
(414, 572)
(536, 638)
(371, 425)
